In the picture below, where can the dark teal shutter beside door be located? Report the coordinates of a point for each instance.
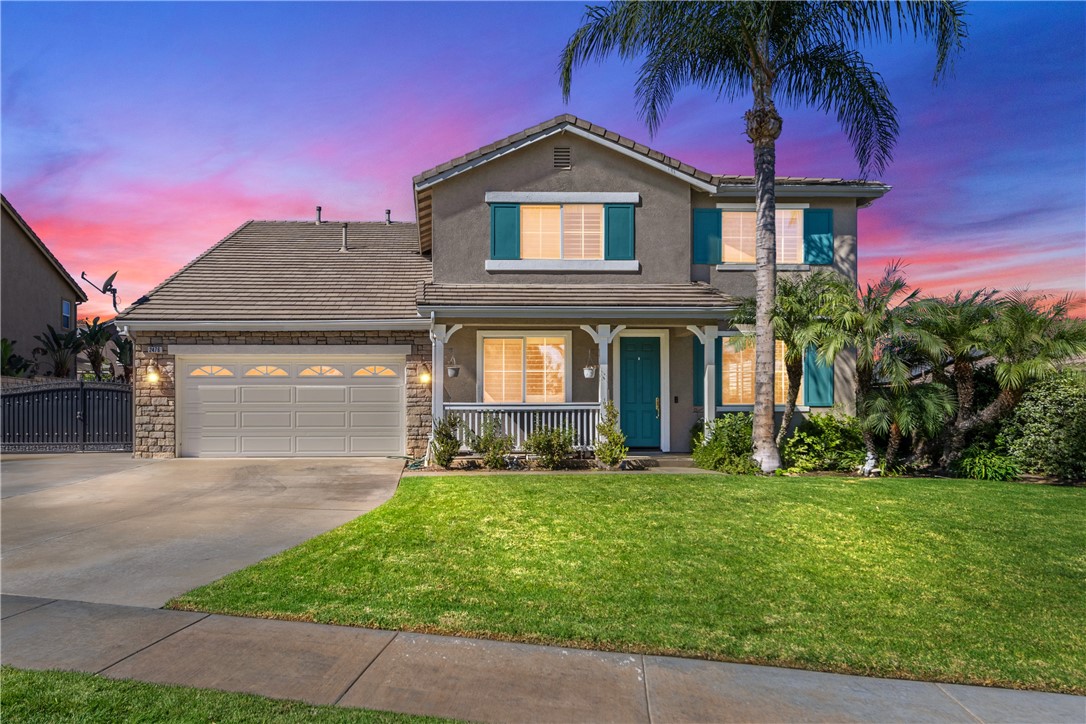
(818, 236)
(707, 234)
(817, 381)
(504, 231)
(618, 225)
(699, 371)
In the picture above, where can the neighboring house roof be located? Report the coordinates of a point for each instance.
(294, 271)
(79, 293)
(716, 184)
(529, 298)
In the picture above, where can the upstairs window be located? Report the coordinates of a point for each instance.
(738, 237)
(561, 231)
(66, 314)
(728, 236)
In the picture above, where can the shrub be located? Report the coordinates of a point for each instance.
(446, 443)
(825, 441)
(726, 445)
(552, 445)
(611, 441)
(1047, 433)
(980, 462)
(492, 444)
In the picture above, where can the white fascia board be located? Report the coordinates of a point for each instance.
(562, 128)
(563, 265)
(562, 197)
(753, 207)
(575, 312)
(799, 191)
(294, 325)
(294, 350)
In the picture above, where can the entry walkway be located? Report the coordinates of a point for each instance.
(473, 679)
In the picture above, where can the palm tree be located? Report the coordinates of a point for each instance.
(877, 323)
(61, 349)
(798, 53)
(794, 313)
(123, 351)
(896, 411)
(1026, 335)
(95, 336)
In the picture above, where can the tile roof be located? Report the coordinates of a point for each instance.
(694, 294)
(294, 270)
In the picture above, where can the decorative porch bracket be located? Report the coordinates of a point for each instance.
(707, 336)
(439, 335)
(603, 335)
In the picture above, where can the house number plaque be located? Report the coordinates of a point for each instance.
(151, 348)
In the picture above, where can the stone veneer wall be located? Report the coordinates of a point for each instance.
(155, 411)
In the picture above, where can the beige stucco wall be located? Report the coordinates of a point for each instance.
(155, 411)
(31, 290)
(461, 216)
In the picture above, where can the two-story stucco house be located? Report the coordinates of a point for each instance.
(548, 272)
(35, 290)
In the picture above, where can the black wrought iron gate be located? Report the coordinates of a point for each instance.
(66, 417)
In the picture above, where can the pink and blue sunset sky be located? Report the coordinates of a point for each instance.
(135, 135)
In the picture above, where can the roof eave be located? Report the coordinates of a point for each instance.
(80, 294)
(553, 312)
(258, 325)
(792, 191)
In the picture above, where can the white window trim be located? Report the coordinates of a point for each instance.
(562, 197)
(563, 265)
(665, 378)
(567, 335)
(743, 266)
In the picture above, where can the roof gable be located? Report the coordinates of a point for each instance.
(21, 223)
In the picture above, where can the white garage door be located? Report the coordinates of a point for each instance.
(282, 407)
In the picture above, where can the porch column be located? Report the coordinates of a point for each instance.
(439, 335)
(707, 336)
(603, 335)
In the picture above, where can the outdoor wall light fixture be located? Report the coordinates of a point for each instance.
(424, 375)
(153, 373)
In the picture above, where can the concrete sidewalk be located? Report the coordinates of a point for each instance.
(473, 679)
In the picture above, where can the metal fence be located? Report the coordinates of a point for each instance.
(69, 417)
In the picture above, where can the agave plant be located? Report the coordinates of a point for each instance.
(61, 349)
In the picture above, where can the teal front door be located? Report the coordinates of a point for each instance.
(639, 392)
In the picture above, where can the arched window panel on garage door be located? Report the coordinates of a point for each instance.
(321, 371)
(375, 371)
(266, 371)
(210, 371)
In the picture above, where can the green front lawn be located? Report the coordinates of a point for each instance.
(947, 580)
(64, 696)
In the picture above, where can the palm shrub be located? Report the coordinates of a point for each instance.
(725, 445)
(1046, 434)
(61, 349)
(446, 442)
(796, 53)
(94, 338)
(492, 443)
(14, 365)
(825, 441)
(611, 447)
(553, 446)
(917, 409)
(123, 350)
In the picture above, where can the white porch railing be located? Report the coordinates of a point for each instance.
(518, 421)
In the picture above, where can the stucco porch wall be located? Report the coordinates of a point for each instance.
(155, 413)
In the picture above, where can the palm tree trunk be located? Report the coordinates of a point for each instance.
(763, 128)
(794, 371)
(1004, 402)
(893, 446)
(862, 388)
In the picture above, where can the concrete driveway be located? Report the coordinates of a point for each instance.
(139, 532)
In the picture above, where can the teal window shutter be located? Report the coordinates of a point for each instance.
(618, 226)
(699, 371)
(818, 236)
(504, 231)
(707, 234)
(817, 380)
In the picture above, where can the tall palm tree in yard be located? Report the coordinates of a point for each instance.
(797, 53)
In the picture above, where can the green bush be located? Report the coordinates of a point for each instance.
(725, 445)
(611, 447)
(1047, 433)
(493, 444)
(980, 462)
(551, 445)
(825, 441)
(446, 443)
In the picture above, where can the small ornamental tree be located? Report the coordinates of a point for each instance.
(446, 442)
(611, 447)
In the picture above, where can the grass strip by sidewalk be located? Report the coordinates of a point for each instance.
(945, 580)
(65, 696)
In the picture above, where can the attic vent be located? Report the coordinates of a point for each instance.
(563, 157)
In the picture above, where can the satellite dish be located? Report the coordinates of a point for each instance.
(106, 288)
